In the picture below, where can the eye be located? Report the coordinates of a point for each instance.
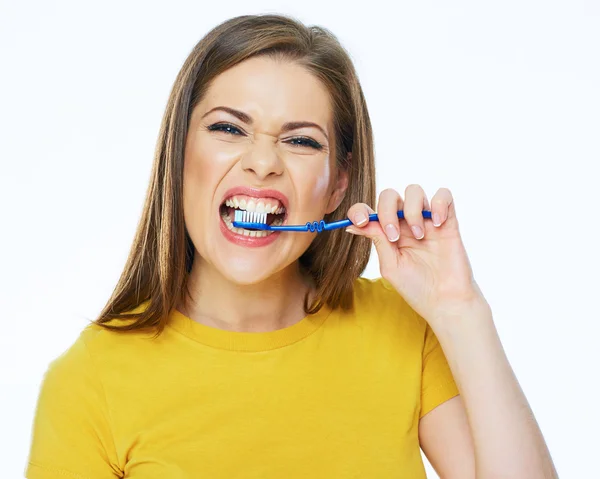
(224, 127)
(308, 142)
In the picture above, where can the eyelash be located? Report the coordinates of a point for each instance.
(310, 142)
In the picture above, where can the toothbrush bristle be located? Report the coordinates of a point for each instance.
(242, 216)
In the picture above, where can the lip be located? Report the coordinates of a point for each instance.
(248, 241)
(257, 193)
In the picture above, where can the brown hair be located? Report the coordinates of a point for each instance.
(162, 252)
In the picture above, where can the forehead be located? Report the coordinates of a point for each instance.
(271, 90)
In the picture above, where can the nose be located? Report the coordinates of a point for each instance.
(262, 158)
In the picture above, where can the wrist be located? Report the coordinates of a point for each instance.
(451, 318)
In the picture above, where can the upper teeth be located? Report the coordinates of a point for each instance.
(255, 205)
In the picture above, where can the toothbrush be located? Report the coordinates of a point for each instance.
(258, 221)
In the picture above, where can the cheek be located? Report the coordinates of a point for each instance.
(322, 182)
(316, 184)
(205, 165)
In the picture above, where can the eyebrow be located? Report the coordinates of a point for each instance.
(290, 125)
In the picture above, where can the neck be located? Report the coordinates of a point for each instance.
(272, 304)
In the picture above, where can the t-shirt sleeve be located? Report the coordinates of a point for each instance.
(437, 382)
(71, 434)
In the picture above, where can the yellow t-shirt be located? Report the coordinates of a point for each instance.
(335, 396)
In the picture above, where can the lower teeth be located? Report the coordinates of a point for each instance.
(245, 232)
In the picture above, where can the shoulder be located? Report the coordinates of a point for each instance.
(379, 295)
(70, 381)
(379, 301)
(95, 355)
(72, 419)
(91, 346)
(366, 289)
(71, 364)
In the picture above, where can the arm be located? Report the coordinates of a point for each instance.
(506, 439)
(446, 440)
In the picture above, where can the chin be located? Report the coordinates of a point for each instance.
(245, 271)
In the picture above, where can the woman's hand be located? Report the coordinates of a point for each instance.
(423, 259)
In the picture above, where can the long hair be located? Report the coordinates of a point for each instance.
(162, 252)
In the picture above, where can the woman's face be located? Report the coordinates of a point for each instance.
(251, 160)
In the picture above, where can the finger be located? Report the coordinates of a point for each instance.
(386, 250)
(442, 207)
(359, 214)
(366, 228)
(415, 201)
(387, 211)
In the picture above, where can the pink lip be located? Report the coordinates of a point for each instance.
(257, 193)
(249, 241)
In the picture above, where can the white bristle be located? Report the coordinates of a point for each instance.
(249, 217)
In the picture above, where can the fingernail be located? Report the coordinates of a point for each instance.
(392, 233)
(360, 218)
(436, 219)
(350, 230)
(417, 231)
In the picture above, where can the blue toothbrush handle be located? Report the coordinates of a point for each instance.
(372, 217)
(318, 226)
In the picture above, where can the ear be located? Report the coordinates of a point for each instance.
(339, 190)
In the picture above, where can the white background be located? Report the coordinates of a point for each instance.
(500, 103)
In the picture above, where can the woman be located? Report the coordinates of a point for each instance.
(279, 361)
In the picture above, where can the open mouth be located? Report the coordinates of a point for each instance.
(276, 213)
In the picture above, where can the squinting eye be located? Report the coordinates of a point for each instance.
(223, 127)
(308, 142)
